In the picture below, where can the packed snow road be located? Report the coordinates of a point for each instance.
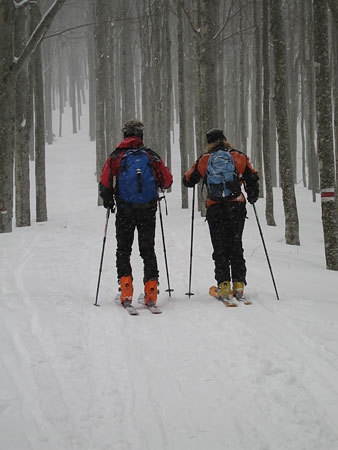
(199, 376)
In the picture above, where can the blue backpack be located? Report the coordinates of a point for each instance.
(221, 176)
(136, 180)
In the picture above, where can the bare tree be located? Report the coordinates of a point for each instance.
(22, 100)
(10, 66)
(101, 86)
(325, 135)
(333, 4)
(39, 135)
(127, 66)
(182, 103)
(280, 100)
(6, 116)
(257, 97)
(310, 115)
(266, 117)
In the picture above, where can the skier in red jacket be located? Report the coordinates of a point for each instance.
(133, 214)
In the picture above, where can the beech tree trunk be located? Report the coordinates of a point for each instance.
(6, 116)
(266, 117)
(21, 131)
(325, 135)
(101, 87)
(127, 66)
(9, 68)
(181, 105)
(280, 100)
(39, 141)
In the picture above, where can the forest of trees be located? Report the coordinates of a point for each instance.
(266, 71)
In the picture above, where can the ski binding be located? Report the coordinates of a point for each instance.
(230, 302)
(128, 307)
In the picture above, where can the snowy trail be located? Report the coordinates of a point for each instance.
(78, 377)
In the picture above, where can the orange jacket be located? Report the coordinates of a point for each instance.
(246, 173)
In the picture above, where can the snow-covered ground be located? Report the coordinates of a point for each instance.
(199, 376)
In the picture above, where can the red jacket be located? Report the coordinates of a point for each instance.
(111, 167)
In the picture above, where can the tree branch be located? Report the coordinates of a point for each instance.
(35, 38)
(22, 3)
(110, 20)
(238, 32)
(189, 17)
(226, 20)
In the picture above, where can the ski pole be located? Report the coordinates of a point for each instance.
(189, 293)
(103, 246)
(266, 252)
(169, 290)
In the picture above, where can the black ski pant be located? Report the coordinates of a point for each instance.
(144, 220)
(226, 224)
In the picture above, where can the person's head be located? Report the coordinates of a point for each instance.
(133, 128)
(215, 135)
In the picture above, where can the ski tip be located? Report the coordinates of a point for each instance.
(131, 310)
(213, 291)
(154, 309)
(245, 301)
(230, 303)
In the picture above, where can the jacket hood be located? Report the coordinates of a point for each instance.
(214, 146)
(131, 142)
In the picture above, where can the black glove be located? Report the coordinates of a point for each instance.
(108, 203)
(188, 183)
(252, 199)
(252, 193)
(107, 197)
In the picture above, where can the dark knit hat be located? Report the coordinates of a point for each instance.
(215, 134)
(133, 128)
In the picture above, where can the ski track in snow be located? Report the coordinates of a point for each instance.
(199, 376)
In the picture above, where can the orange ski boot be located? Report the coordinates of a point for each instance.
(150, 292)
(126, 288)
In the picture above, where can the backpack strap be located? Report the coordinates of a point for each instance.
(155, 158)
